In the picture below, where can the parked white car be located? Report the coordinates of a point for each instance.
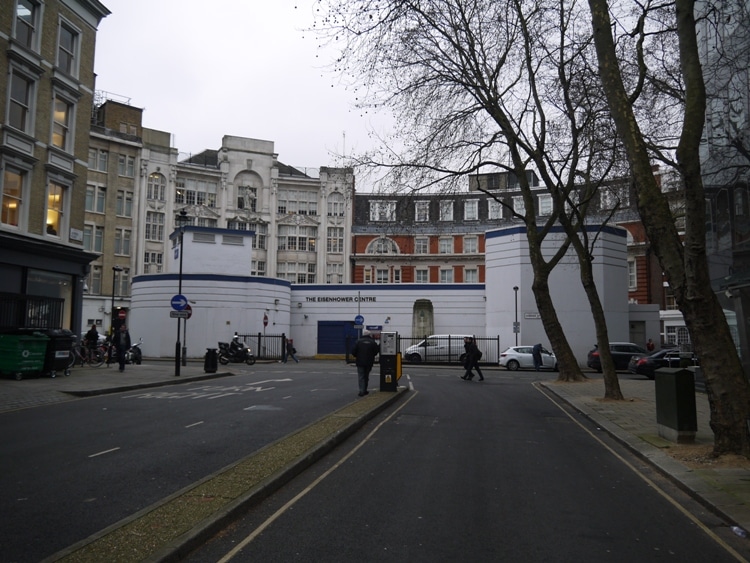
(438, 348)
(517, 357)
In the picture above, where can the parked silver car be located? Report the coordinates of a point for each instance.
(517, 357)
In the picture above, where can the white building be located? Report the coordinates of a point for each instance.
(320, 317)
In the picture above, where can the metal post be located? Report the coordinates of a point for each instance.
(181, 220)
(515, 324)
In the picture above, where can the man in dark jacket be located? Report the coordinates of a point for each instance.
(121, 341)
(365, 350)
(471, 361)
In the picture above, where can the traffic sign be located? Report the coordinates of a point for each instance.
(179, 314)
(359, 320)
(179, 302)
(189, 310)
(121, 314)
(265, 319)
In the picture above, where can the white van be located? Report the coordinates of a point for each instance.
(438, 348)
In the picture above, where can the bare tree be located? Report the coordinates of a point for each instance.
(479, 85)
(647, 33)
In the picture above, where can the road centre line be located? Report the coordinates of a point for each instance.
(194, 424)
(104, 452)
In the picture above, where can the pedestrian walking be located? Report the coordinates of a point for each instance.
(365, 349)
(650, 345)
(536, 354)
(291, 350)
(121, 342)
(471, 360)
(283, 347)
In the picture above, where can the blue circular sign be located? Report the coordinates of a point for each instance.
(359, 320)
(179, 302)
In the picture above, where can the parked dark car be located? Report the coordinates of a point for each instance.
(647, 365)
(621, 354)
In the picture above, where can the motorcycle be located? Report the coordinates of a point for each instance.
(235, 352)
(134, 354)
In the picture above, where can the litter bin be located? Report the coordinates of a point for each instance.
(676, 416)
(57, 357)
(211, 361)
(22, 355)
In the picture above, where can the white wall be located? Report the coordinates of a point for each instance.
(226, 303)
(508, 265)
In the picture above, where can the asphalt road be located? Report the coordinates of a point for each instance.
(468, 471)
(71, 469)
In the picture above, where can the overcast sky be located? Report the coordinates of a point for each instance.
(202, 70)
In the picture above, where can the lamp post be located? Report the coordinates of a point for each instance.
(515, 324)
(181, 220)
(115, 269)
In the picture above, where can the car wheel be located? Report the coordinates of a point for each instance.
(414, 358)
(512, 365)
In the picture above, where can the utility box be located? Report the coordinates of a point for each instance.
(211, 360)
(390, 362)
(675, 404)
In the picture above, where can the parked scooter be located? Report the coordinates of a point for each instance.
(134, 354)
(235, 352)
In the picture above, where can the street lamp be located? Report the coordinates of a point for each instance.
(515, 324)
(181, 219)
(115, 269)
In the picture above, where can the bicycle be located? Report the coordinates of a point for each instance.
(84, 355)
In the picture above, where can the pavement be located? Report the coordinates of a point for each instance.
(196, 513)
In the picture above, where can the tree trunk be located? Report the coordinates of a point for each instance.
(685, 266)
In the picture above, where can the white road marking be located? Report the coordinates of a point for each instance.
(104, 452)
(194, 424)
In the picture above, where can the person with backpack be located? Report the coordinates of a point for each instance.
(471, 360)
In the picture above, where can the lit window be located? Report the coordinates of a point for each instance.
(55, 208)
(61, 123)
(12, 196)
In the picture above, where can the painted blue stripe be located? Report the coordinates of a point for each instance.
(521, 230)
